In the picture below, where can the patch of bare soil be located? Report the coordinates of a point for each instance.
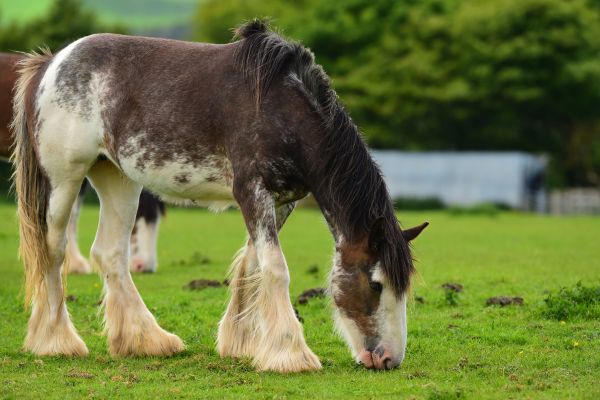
(311, 293)
(503, 301)
(199, 284)
(455, 287)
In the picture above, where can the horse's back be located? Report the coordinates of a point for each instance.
(174, 116)
(155, 107)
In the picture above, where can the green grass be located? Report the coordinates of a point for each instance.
(465, 350)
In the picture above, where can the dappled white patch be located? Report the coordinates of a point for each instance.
(391, 319)
(178, 180)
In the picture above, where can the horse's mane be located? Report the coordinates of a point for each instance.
(352, 184)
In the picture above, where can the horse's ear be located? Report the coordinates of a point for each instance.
(411, 233)
(376, 234)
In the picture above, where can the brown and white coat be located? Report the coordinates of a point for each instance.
(254, 122)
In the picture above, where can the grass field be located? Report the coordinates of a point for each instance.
(466, 350)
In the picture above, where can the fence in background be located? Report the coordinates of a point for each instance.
(575, 201)
(513, 179)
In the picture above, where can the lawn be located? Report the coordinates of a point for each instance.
(465, 350)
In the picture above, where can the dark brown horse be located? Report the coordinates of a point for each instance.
(254, 122)
(143, 240)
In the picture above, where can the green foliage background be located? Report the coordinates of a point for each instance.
(65, 21)
(415, 74)
(453, 75)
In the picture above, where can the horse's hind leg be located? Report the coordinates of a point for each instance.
(278, 340)
(50, 330)
(76, 262)
(238, 326)
(129, 325)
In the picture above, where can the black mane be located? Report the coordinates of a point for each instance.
(351, 187)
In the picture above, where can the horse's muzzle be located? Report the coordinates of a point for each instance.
(379, 358)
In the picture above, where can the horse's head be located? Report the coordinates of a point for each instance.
(369, 312)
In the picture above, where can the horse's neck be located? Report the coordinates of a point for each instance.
(344, 201)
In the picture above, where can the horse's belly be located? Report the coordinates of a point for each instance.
(206, 182)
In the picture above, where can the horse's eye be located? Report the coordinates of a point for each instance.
(376, 286)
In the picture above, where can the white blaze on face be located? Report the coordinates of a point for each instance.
(391, 319)
(143, 246)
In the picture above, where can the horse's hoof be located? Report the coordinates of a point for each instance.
(298, 359)
(60, 341)
(156, 343)
(236, 337)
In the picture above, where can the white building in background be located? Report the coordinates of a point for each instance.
(513, 179)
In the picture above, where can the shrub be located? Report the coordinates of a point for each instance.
(451, 297)
(572, 303)
(414, 203)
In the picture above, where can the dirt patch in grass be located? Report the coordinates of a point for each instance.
(455, 287)
(311, 293)
(313, 270)
(199, 284)
(503, 301)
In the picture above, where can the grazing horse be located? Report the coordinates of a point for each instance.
(150, 211)
(254, 122)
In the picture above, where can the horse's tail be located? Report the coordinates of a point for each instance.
(30, 182)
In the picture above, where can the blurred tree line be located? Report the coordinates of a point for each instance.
(453, 74)
(65, 21)
(425, 74)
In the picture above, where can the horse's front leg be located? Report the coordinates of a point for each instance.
(237, 328)
(278, 342)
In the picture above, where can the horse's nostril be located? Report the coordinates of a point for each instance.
(379, 351)
(138, 266)
(388, 363)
